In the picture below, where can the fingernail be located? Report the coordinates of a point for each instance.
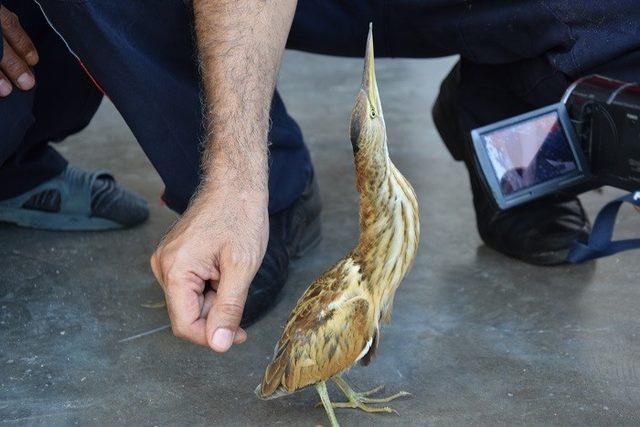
(5, 88)
(32, 58)
(26, 81)
(222, 339)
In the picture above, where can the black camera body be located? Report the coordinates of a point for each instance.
(606, 117)
(589, 139)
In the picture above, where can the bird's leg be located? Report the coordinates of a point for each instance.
(360, 400)
(324, 397)
(363, 396)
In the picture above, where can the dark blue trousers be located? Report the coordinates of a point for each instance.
(515, 56)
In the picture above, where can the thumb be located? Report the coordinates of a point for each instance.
(223, 321)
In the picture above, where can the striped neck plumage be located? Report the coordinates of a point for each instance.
(388, 206)
(389, 230)
(389, 226)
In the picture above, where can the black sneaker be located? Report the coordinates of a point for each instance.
(540, 232)
(292, 233)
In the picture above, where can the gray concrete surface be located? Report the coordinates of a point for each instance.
(479, 339)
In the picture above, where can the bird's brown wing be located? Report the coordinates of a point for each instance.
(329, 330)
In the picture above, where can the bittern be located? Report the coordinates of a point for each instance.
(336, 322)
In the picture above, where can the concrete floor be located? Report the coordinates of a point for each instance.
(479, 339)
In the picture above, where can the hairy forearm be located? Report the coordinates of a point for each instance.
(240, 44)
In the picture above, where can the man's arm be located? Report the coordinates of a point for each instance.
(223, 235)
(241, 46)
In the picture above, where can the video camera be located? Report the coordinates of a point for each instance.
(589, 139)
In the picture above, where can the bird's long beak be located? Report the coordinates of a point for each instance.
(369, 83)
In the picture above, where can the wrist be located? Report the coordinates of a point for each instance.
(236, 167)
(241, 182)
(223, 200)
(234, 188)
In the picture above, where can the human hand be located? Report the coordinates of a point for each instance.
(19, 55)
(221, 239)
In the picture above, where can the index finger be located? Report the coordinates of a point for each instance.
(184, 304)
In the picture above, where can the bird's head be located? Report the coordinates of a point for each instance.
(367, 130)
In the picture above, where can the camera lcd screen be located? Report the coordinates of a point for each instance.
(529, 153)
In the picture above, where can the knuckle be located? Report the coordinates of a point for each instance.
(179, 331)
(159, 266)
(241, 257)
(156, 256)
(153, 261)
(161, 263)
(12, 21)
(230, 309)
(182, 258)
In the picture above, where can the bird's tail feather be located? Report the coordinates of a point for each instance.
(271, 386)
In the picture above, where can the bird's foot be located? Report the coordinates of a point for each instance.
(363, 396)
(364, 407)
(372, 391)
(360, 400)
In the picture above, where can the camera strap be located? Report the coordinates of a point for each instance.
(600, 244)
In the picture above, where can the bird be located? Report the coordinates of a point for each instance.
(336, 322)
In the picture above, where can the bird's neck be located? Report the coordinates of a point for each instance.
(389, 224)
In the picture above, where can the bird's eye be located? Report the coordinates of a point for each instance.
(373, 113)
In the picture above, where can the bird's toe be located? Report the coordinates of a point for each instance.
(374, 390)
